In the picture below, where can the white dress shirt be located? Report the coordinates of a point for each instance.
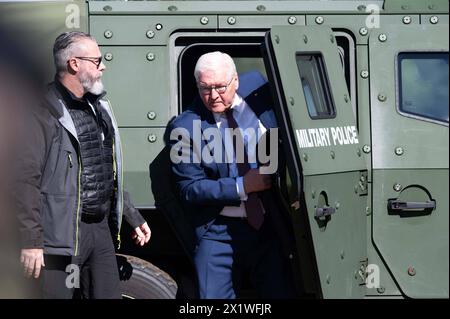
(245, 119)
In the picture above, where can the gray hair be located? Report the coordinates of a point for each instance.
(64, 47)
(212, 61)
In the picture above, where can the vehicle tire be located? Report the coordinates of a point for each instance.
(139, 279)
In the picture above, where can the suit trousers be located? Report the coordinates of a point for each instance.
(230, 250)
(93, 274)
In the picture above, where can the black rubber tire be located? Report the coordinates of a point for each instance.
(139, 279)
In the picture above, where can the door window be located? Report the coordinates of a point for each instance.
(423, 84)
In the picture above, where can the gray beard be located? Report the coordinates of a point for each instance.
(96, 88)
(91, 85)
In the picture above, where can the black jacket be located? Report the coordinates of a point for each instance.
(47, 191)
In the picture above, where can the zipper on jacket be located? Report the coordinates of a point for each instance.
(79, 201)
(69, 156)
(120, 187)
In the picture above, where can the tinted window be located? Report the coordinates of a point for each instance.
(315, 86)
(423, 83)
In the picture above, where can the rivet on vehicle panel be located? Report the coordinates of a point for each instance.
(231, 20)
(346, 99)
(382, 37)
(261, 8)
(158, 26)
(364, 74)
(337, 205)
(150, 56)
(150, 34)
(366, 149)
(381, 290)
(313, 194)
(319, 20)
(342, 254)
(356, 189)
(358, 152)
(399, 151)
(407, 20)
(362, 178)
(332, 154)
(152, 138)
(107, 8)
(108, 56)
(431, 7)
(331, 38)
(292, 20)
(291, 100)
(367, 210)
(204, 20)
(434, 20)
(382, 97)
(411, 271)
(405, 7)
(305, 157)
(172, 8)
(151, 115)
(363, 31)
(361, 7)
(108, 34)
(328, 279)
(277, 39)
(305, 38)
(397, 187)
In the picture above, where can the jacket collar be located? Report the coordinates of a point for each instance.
(72, 101)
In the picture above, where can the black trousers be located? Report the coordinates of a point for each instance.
(93, 274)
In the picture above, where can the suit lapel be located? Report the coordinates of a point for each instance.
(258, 101)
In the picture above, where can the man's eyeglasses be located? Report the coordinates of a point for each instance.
(95, 60)
(219, 89)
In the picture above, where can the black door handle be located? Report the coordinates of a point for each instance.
(324, 211)
(400, 206)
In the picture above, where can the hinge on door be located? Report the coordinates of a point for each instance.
(362, 188)
(361, 273)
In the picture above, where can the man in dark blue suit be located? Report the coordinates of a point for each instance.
(221, 190)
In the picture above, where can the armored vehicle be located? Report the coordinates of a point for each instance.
(361, 98)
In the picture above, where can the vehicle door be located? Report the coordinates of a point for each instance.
(326, 170)
(409, 123)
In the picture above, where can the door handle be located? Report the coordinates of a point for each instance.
(324, 211)
(400, 206)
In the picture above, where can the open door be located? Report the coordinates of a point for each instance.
(409, 121)
(323, 154)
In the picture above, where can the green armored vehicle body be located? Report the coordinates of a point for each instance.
(361, 99)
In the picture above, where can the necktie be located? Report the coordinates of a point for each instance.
(253, 205)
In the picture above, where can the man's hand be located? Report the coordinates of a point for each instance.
(141, 234)
(32, 260)
(256, 182)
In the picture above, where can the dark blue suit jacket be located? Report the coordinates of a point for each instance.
(205, 188)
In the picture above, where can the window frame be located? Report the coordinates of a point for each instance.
(398, 88)
(325, 81)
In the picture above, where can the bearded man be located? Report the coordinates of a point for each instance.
(70, 189)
